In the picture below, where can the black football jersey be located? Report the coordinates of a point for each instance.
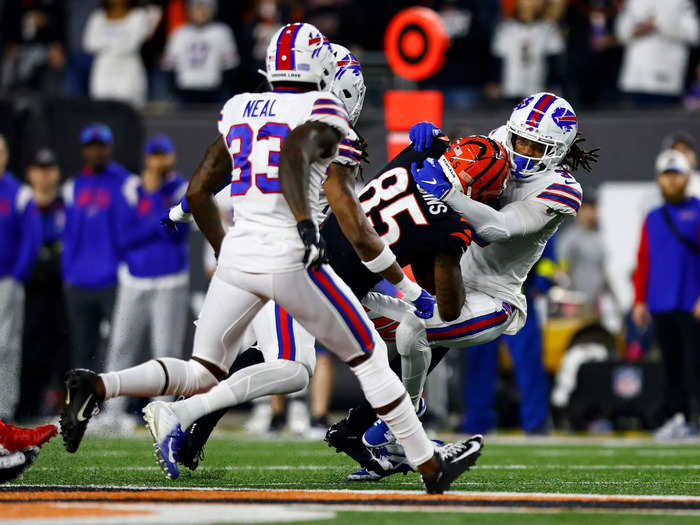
(413, 223)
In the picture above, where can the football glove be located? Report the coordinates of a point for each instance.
(422, 135)
(431, 178)
(177, 214)
(315, 246)
(425, 305)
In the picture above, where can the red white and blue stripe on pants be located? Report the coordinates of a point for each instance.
(352, 317)
(471, 326)
(285, 334)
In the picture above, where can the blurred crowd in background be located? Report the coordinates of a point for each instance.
(87, 273)
(596, 53)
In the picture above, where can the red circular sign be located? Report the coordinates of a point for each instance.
(415, 42)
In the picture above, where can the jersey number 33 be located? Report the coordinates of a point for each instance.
(239, 141)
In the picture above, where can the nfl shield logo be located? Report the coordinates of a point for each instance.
(627, 382)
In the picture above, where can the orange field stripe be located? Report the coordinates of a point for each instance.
(48, 510)
(316, 496)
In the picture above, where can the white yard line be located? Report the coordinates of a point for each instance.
(336, 467)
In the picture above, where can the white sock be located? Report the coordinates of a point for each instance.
(382, 387)
(144, 380)
(157, 377)
(274, 377)
(407, 428)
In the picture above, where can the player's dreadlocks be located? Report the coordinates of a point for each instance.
(577, 156)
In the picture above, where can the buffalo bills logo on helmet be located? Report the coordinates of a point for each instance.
(524, 102)
(348, 63)
(564, 118)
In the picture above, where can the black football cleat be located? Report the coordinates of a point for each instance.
(191, 451)
(455, 459)
(343, 439)
(81, 404)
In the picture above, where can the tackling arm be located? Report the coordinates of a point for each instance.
(514, 220)
(213, 172)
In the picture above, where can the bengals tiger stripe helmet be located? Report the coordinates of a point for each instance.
(478, 166)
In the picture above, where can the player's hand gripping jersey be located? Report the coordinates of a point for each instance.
(413, 223)
(264, 237)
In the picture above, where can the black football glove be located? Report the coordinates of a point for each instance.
(315, 252)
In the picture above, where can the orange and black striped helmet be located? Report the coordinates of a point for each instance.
(477, 165)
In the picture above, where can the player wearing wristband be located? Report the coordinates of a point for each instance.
(275, 149)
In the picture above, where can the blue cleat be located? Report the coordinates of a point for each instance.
(379, 435)
(168, 436)
(388, 464)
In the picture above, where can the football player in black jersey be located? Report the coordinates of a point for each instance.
(421, 231)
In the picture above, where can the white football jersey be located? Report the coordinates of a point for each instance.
(500, 269)
(199, 55)
(264, 237)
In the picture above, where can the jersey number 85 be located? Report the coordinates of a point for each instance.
(377, 193)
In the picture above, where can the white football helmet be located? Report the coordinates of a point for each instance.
(300, 53)
(348, 84)
(546, 119)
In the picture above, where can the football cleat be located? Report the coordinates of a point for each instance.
(455, 459)
(81, 404)
(387, 464)
(167, 436)
(379, 435)
(14, 438)
(191, 450)
(340, 437)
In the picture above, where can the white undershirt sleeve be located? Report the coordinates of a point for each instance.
(513, 220)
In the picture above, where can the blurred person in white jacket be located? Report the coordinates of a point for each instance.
(524, 43)
(200, 53)
(656, 35)
(114, 35)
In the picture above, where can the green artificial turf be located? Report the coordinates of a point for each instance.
(234, 462)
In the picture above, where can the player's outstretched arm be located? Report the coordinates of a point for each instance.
(514, 220)
(212, 174)
(374, 253)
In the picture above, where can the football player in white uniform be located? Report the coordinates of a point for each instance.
(542, 139)
(275, 149)
(287, 348)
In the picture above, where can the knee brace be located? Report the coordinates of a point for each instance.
(185, 377)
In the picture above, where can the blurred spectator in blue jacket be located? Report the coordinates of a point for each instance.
(667, 291)
(525, 349)
(91, 252)
(152, 300)
(19, 241)
(45, 342)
